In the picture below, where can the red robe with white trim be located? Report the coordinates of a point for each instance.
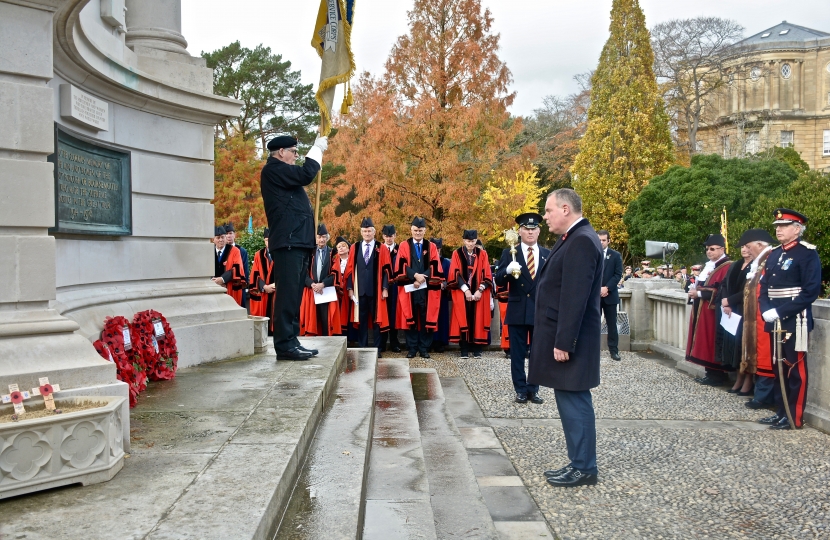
(309, 325)
(261, 303)
(705, 319)
(404, 319)
(470, 320)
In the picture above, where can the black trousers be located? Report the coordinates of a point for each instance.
(290, 269)
(419, 340)
(322, 319)
(391, 336)
(518, 334)
(366, 316)
(610, 312)
(467, 347)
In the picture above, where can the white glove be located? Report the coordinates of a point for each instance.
(322, 143)
(770, 315)
(513, 266)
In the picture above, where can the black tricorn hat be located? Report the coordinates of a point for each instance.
(321, 229)
(388, 230)
(283, 141)
(469, 234)
(478, 242)
(755, 235)
(219, 231)
(419, 222)
(529, 220)
(366, 223)
(439, 243)
(341, 239)
(229, 227)
(715, 240)
(266, 232)
(784, 216)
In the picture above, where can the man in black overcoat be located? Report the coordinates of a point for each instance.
(291, 238)
(566, 340)
(521, 301)
(609, 293)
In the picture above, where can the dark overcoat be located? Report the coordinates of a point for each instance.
(521, 299)
(568, 313)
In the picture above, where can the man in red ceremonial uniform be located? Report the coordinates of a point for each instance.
(704, 323)
(339, 263)
(418, 308)
(228, 267)
(470, 281)
(390, 243)
(367, 280)
(319, 319)
(261, 287)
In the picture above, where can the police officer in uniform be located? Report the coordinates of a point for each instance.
(521, 302)
(291, 238)
(790, 285)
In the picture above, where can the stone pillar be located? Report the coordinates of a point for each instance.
(35, 341)
(767, 84)
(776, 85)
(155, 24)
(798, 71)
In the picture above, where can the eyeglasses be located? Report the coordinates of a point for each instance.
(292, 150)
(713, 248)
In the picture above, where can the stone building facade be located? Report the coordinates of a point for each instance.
(780, 96)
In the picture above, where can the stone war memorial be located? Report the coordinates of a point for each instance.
(138, 400)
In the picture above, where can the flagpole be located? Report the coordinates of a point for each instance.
(317, 196)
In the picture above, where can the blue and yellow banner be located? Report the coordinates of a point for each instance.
(333, 41)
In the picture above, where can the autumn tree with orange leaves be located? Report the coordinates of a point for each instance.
(425, 138)
(236, 169)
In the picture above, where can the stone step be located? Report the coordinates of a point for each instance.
(397, 495)
(457, 503)
(329, 498)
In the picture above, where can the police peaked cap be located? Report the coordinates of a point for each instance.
(366, 223)
(715, 240)
(755, 235)
(388, 230)
(529, 220)
(785, 216)
(419, 222)
(283, 141)
(439, 243)
(471, 234)
(321, 229)
(219, 231)
(341, 239)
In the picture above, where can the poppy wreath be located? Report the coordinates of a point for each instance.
(159, 352)
(129, 365)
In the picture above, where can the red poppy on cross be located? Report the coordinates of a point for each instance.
(46, 390)
(16, 397)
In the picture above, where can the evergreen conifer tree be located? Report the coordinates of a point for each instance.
(627, 141)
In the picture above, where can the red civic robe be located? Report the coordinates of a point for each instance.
(262, 273)
(404, 320)
(309, 325)
(700, 347)
(470, 320)
(344, 303)
(232, 260)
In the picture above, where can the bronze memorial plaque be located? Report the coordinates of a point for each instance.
(92, 188)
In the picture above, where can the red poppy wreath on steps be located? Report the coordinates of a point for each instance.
(118, 342)
(157, 344)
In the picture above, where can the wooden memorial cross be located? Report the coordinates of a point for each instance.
(46, 390)
(16, 397)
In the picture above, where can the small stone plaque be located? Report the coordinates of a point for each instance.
(86, 109)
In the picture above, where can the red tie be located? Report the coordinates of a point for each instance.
(531, 263)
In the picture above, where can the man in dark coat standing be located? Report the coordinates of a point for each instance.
(390, 242)
(566, 342)
(291, 238)
(609, 293)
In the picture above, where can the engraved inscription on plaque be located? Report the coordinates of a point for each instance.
(92, 188)
(86, 109)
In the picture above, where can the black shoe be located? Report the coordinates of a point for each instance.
(380, 354)
(477, 355)
(558, 472)
(753, 404)
(733, 390)
(314, 352)
(507, 353)
(771, 420)
(573, 478)
(425, 354)
(781, 424)
(710, 381)
(439, 349)
(615, 356)
(395, 348)
(749, 393)
(410, 354)
(464, 356)
(534, 398)
(294, 354)
(521, 398)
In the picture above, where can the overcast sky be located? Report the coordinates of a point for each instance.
(544, 42)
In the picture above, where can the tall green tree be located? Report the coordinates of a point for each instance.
(274, 99)
(627, 141)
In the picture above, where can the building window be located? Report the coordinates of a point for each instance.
(787, 138)
(753, 142)
(755, 73)
(786, 71)
(727, 147)
(826, 142)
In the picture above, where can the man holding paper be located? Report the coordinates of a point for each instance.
(319, 316)
(367, 283)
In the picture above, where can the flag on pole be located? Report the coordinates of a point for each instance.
(724, 230)
(250, 224)
(333, 41)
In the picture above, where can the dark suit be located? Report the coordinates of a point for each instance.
(367, 275)
(327, 279)
(391, 309)
(611, 275)
(521, 305)
(568, 318)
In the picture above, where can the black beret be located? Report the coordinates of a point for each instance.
(321, 229)
(388, 230)
(366, 223)
(439, 243)
(219, 231)
(784, 216)
(283, 141)
(715, 240)
(419, 222)
(755, 235)
(530, 220)
(341, 239)
(469, 234)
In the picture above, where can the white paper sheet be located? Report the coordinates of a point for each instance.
(411, 288)
(730, 323)
(329, 294)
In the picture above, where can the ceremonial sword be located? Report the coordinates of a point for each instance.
(779, 358)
